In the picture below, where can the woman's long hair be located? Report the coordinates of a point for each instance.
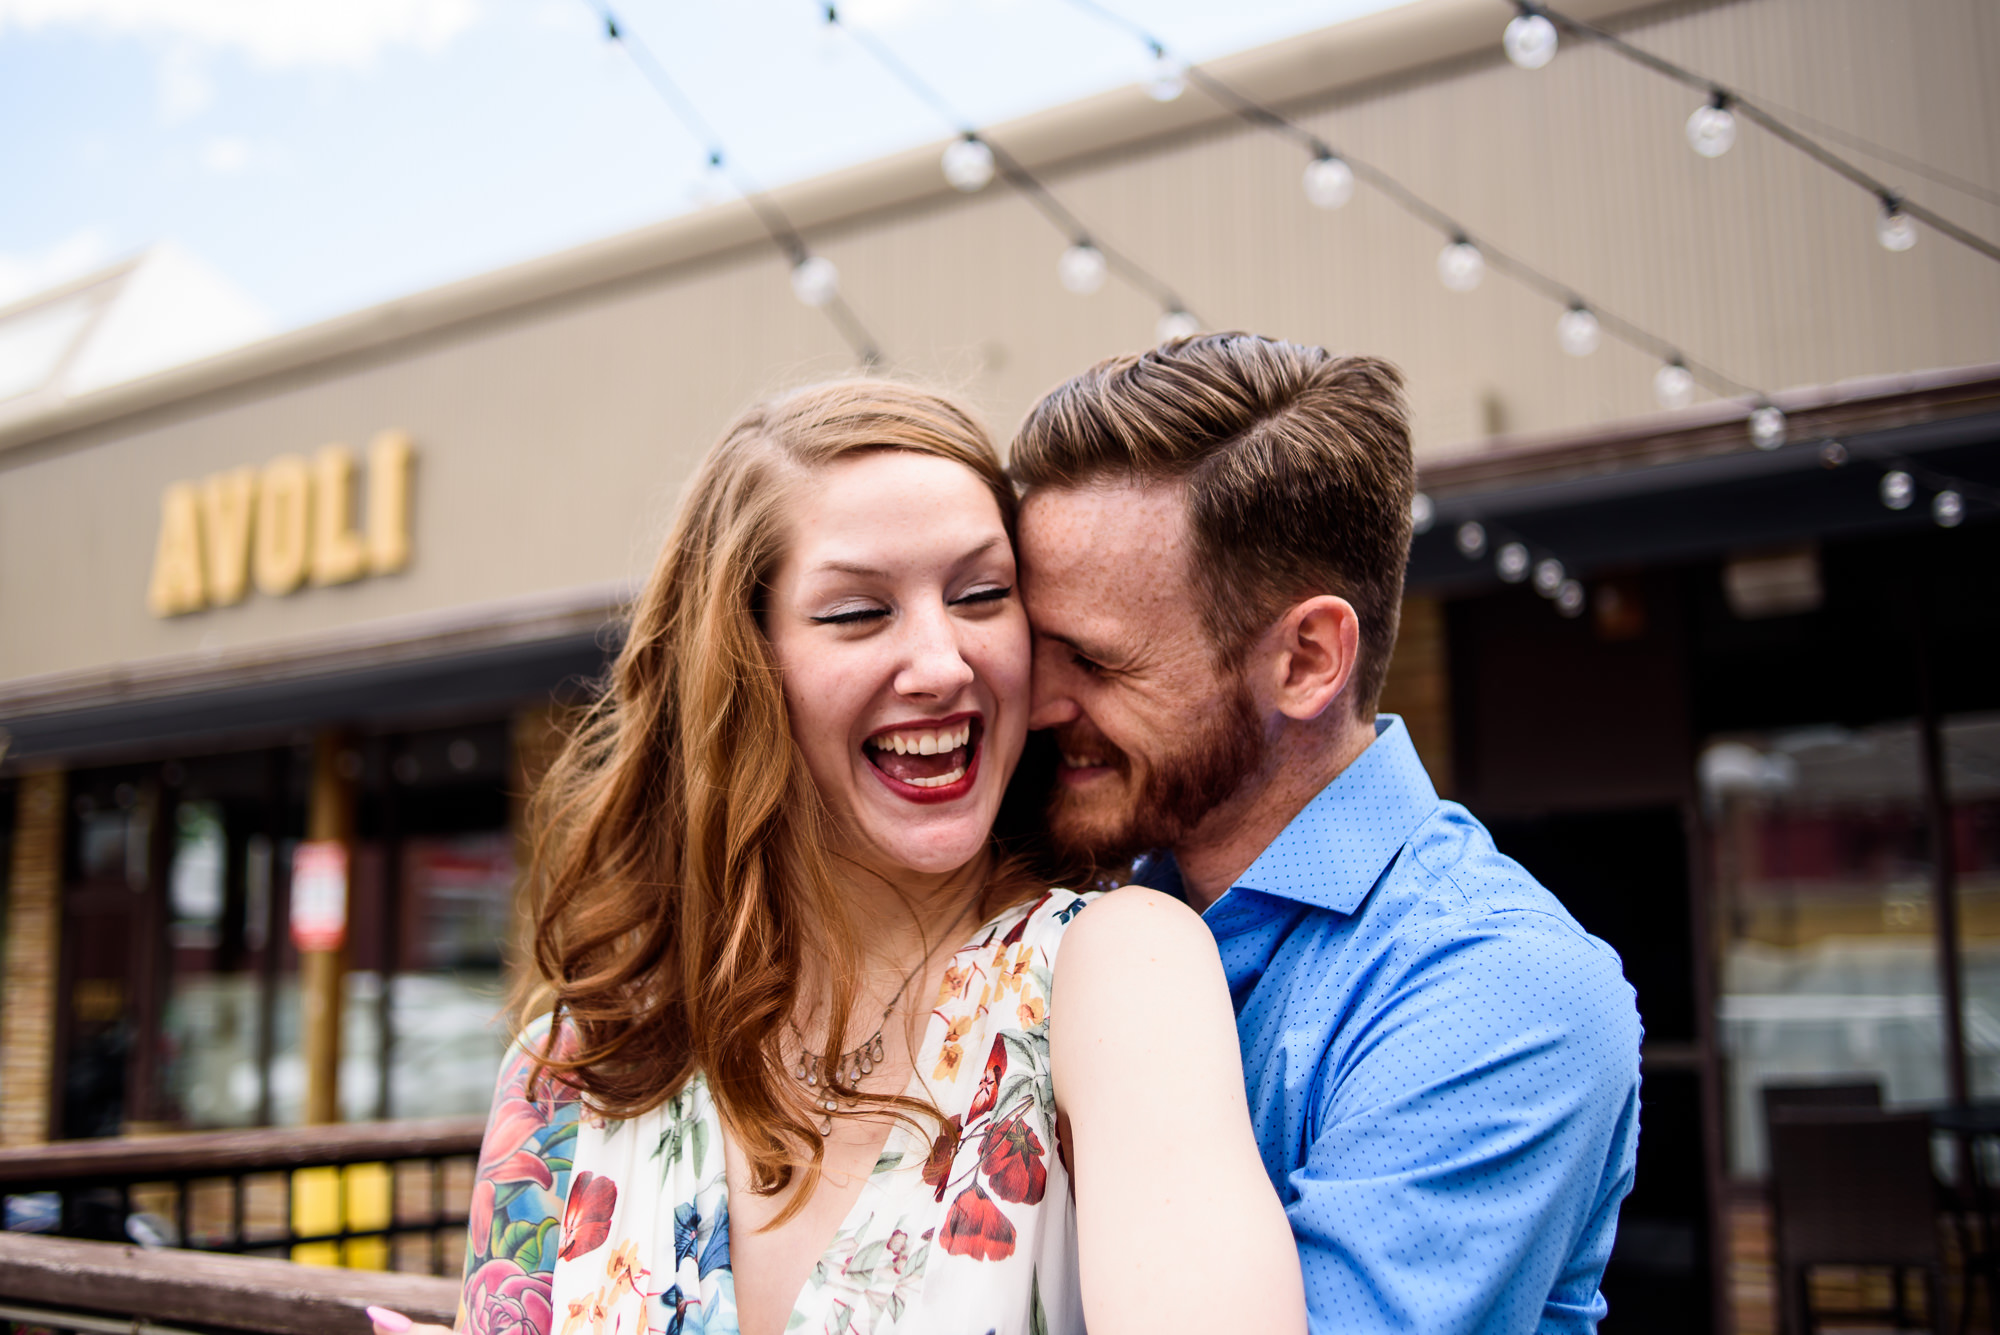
(686, 892)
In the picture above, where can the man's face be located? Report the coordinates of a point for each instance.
(1152, 735)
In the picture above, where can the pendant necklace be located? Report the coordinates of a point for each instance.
(850, 1066)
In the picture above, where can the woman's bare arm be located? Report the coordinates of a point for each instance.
(1169, 1183)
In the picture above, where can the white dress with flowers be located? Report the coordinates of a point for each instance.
(963, 1228)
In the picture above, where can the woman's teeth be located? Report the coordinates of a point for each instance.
(924, 741)
(940, 781)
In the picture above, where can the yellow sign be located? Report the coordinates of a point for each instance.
(288, 524)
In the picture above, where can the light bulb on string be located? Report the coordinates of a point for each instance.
(1833, 454)
(711, 184)
(1460, 265)
(1549, 575)
(1471, 539)
(1577, 331)
(1329, 182)
(1712, 127)
(1767, 426)
(1168, 78)
(1894, 228)
(1569, 598)
(968, 164)
(1422, 513)
(1081, 268)
(1948, 508)
(1673, 385)
(815, 281)
(1530, 40)
(1512, 562)
(1176, 323)
(1898, 489)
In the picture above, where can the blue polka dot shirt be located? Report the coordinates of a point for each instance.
(1443, 1067)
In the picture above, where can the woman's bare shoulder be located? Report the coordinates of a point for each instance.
(1131, 932)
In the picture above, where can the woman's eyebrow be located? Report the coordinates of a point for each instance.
(875, 572)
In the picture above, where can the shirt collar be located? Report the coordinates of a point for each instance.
(1335, 850)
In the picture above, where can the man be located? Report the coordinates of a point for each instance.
(1443, 1067)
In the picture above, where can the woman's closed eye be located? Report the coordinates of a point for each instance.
(985, 593)
(850, 616)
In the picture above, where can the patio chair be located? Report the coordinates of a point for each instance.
(1853, 1187)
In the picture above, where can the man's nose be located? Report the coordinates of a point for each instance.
(935, 666)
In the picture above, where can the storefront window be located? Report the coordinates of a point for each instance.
(1972, 782)
(1828, 959)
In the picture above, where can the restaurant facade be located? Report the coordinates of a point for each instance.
(286, 634)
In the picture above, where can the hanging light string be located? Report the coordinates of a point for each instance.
(815, 281)
(1725, 101)
(1328, 182)
(975, 158)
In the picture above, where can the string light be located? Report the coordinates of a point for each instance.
(1460, 265)
(1570, 598)
(1549, 575)
(1898, 489)
(1948, 509)
(1176, 324)
(1712, 128)
(1833, 454)
(1530, 39)
(1673, 385)
(1081, 268)
(1512, 561)
(1577, 331)
(1422, 513)
(1168, 78)
(968, 164)
(1329, 181)
(1711, 134)
(1767, 426)
(815, 281)
(1471, 539)
(1894, 229)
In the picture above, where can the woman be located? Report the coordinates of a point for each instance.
(807, 1069)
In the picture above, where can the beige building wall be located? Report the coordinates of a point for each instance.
(552, 434)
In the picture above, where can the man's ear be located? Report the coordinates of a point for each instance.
(1311, 654)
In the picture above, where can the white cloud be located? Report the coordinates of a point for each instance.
(275, 34)
(37, 271)
(226, 155)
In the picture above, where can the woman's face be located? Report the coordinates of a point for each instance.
(904, 650)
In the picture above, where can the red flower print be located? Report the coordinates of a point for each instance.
(989, 1082)
(975, 1227)
(587, 1215)
(502, 1299)
(1014, 935)
(1010, 1154)
(944, 1149)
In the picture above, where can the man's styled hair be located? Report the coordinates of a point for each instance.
(1297, 467)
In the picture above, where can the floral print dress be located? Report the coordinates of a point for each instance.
(589, 1227)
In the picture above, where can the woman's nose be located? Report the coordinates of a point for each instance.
(935, 666)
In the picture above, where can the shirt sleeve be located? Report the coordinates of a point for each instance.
(519, 1192)
(1474, 1137)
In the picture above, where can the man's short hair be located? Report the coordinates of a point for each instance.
(1297, 467)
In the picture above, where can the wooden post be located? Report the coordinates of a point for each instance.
(33, 960)
(330, 816)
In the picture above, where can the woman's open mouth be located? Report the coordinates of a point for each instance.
(928, 762)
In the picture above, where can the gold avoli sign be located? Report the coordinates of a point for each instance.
(288, 524)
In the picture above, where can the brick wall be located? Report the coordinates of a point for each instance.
(34, 925)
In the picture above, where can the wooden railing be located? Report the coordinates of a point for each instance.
(379, 1195)
(104, 1288)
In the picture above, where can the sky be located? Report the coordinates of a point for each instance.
(325, 155)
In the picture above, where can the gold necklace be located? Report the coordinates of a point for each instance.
(852, 1065)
